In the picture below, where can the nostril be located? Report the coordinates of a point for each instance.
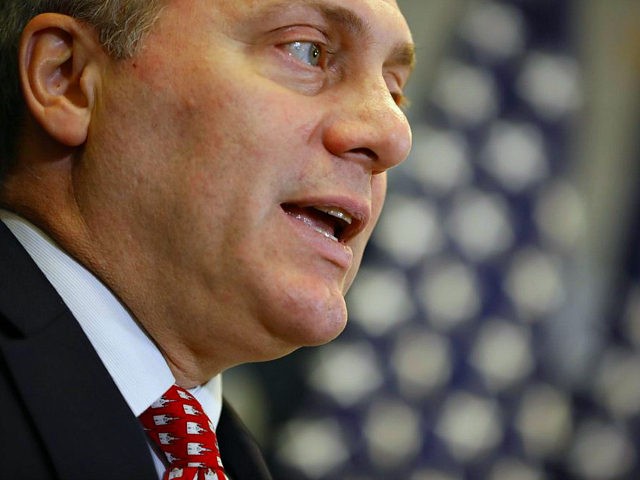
(365, 152)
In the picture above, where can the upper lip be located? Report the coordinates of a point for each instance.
(347, 210)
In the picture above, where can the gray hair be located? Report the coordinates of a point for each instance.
(120, 24)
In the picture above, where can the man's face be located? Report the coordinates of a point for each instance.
(236, 166)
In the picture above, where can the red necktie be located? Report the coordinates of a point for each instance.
(177, 424)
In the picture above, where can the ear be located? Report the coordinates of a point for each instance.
(59, 76)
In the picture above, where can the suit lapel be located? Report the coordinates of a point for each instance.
(241, 455)
(85, 424)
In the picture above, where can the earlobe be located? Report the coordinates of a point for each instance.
(57, 78)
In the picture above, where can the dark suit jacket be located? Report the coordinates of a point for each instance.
(61, 414)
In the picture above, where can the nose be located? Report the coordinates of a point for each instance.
(367, 126)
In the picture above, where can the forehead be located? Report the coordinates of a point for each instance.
(350, 4)
(379, 16)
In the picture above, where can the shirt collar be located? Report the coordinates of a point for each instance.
(138, 368)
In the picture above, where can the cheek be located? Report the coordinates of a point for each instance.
(222, 121)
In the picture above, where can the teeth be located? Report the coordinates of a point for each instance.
(337, 213)
(309, 223)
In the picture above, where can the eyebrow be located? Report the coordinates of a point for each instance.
(343, 17)
(403, 54)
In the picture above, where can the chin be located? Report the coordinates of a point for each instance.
(306, 320)
(328, 328)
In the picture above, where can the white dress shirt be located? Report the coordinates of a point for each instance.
(131, 358)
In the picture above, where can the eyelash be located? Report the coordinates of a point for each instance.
(401, 100)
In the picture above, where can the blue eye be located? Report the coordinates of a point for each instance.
(307, 52)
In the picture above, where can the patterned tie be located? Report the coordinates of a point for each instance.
(177, 424)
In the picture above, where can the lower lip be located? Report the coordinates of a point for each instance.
(335, 252)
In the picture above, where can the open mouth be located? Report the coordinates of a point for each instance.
(333, 222)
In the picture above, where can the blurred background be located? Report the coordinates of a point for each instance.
(494, 329)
